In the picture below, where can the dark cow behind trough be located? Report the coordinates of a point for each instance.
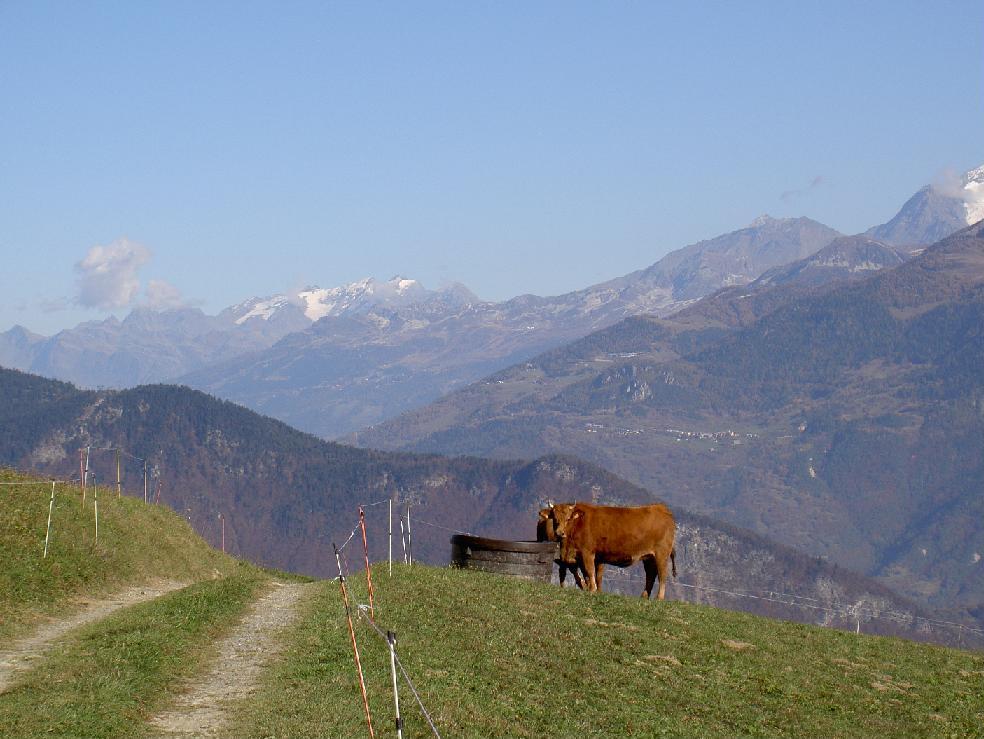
(593, 535)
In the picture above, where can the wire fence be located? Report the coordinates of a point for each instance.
(858, 611)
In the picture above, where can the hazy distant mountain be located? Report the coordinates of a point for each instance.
(18, 347)
(843, 259)
(935, 212)
(352, 370)
(151, 346)
(846, 420)
(286, 496)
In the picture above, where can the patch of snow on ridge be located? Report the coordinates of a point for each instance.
(262, 309)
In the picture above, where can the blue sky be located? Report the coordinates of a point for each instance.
(238, 149)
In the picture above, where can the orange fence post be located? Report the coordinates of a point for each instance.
(355, 647)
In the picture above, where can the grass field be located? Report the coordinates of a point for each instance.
(137, 543)
(109, 677)
(492, 656)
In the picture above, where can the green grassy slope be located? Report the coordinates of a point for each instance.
(493, 656)
(107, 679)
(137, 544)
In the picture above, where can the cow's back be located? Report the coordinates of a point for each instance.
(621, 535)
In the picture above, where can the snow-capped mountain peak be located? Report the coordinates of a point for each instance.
(356, 297)
(259, 308)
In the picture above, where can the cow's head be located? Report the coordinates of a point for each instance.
(561, 514)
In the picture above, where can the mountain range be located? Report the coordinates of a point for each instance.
(286, 497)
(844, 418)
(332, 361)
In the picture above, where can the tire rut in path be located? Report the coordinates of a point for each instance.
(204, 709)
(24, 653)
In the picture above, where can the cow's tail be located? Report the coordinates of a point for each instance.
(673, 560)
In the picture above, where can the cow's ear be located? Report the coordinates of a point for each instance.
(576, 515)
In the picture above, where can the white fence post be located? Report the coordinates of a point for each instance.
(391, 640)
(409, 539)
(51, 506)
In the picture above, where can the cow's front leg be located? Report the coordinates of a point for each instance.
(589, 572)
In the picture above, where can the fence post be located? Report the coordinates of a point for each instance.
(85, 475)
(391, 640)
(403, 540)
(355, 647)
(95, 502)
(145, 480)
(119, 477)
(409, 539)
(51, 506)
(365, 547)
(390, 526)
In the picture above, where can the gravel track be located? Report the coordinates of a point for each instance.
(202, 710)
(24, 653)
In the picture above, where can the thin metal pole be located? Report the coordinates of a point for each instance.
(51, 506)
(409, 539)
(222, 521)
(85, 475)
(82, 473)
(355, 647)
(391, 640)
(145, 480)
(403, 540)
(95, 502)
(119, 477)
(365, 547)
(390, 525)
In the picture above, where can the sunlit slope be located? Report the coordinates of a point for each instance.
(493, 656)
(137, 543)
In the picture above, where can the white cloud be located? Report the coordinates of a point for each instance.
(162, 295)
(107, 277)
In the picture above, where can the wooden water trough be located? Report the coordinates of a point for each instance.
(531, 560)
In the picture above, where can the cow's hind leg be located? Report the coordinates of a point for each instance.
(649, 562)
(664, 573)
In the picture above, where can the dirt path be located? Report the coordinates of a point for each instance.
(202, 711)
(23, 654)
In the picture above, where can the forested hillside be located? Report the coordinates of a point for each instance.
(285, 497)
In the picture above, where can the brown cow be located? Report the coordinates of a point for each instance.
(546, 531)
(592, 535)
